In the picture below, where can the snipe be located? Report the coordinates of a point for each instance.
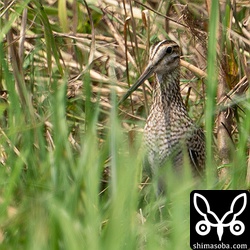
(169, 130)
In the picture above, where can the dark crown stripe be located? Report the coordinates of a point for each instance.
(156, 47)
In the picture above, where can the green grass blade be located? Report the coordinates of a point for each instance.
(212, 71)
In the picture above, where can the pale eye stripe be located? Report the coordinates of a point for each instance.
(155, 49)
(157, 46)
(152, 49)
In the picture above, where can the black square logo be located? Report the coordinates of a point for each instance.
(219, 219)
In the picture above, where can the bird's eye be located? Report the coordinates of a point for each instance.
(169, 50)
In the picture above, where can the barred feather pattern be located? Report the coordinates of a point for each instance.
(169, 130)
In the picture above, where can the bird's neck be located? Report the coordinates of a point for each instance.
(167, 90)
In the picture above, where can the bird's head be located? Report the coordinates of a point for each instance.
(164, 57)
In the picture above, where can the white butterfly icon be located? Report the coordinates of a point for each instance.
(236, 227)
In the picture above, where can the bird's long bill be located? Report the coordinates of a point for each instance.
(145, 75)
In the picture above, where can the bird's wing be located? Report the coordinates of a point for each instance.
(196, 149)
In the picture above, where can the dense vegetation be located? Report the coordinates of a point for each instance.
(71, 158)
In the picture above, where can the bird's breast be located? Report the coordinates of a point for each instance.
(164, 130)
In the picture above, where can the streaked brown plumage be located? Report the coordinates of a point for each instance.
(169, 130)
